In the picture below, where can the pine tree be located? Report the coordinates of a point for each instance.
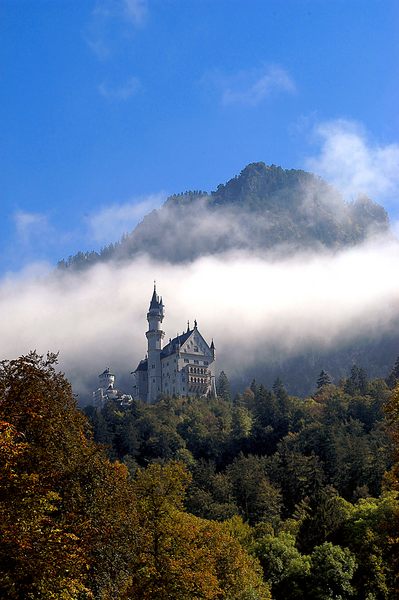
(223, 387)
(393, 378)
(324, 379)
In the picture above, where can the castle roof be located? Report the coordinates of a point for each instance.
(179, 340)
(156, 301)
(142, 366)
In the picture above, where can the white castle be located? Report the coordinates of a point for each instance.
(184, 367)
(108, 391)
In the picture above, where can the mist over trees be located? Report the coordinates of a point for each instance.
(263, 209)
(275, 213)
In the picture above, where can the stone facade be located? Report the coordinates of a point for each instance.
(185, 366)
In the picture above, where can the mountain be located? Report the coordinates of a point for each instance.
(265, 209)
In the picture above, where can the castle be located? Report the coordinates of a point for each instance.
(184, 367)
(107, 391)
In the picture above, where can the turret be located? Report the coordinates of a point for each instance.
(107, 379)
(154, 336)
(212, 346)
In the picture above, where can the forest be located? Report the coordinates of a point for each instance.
(247, 497)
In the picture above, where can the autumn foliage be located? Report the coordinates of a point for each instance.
(74, 525)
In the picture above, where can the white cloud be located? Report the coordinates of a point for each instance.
(136, 10)
(252, 86)
(29, 225)
(111, 222)
(354, 163)
(121, 92)
(256, 309)
(112, 24)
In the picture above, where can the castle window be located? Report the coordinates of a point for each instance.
(186, 360)
(196, 362)
(152, 366)
(206, 362)
(195, 348)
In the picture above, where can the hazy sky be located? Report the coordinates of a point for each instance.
(107, 106)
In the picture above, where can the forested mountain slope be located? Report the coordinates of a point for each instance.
(263, 209)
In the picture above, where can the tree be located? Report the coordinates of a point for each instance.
(357, 382)
(326, 513)
(181, 556)
(257, 498)
(324, 379)
(285, 568)
(59, 536)
(391, 409)
(332, 573)
(393, 378)
(280, 392)
(223, 389)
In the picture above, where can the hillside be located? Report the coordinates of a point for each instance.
(263, 209)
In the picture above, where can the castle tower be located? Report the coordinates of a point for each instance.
(107, 379)
(154, 336)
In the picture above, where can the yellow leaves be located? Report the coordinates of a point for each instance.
(182, 556)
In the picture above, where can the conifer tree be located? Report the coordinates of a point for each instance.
(223, 389)
(393, 378)
(324, 379)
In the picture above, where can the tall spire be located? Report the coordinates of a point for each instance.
(155, 302)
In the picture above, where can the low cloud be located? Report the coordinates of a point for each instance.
(254, 308)
(250, 87)
(353, 162)
(122, 91)
(112, 221)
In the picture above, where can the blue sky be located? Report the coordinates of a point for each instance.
(107, 106)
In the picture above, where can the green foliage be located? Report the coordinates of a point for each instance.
(393, 377)
(181, 556)
(74, 526)
(323, 379)
(223, 387)
(290, 479)
(202, 496)
(332, 573)
(285, 569)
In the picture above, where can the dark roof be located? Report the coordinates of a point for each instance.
(106, 372)
(155, 303)
(172, 345)
(142, 366)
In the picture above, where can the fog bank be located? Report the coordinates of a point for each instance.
(254, 308)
